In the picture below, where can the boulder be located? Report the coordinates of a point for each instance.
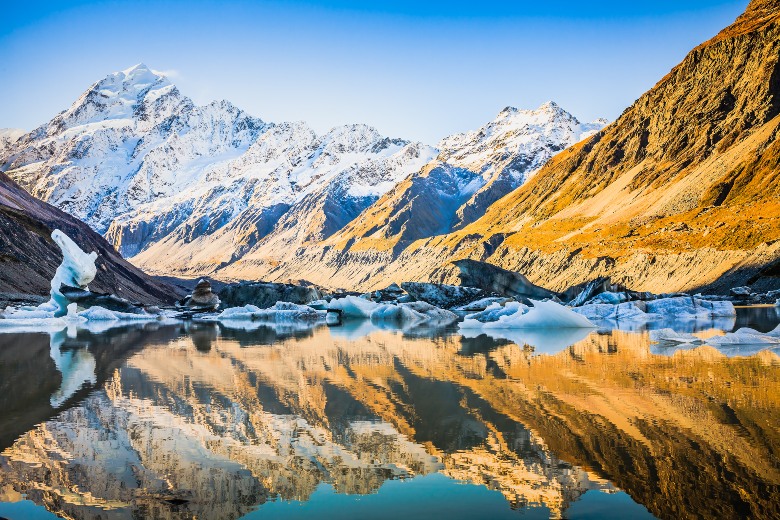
(202, 296)
(443, 295)
(265, 294)
(493, 279)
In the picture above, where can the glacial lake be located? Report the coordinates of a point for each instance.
(360, 421)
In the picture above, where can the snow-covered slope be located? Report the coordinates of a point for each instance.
(142, 164)
(472, 171)
(186, 189)
(9, 136)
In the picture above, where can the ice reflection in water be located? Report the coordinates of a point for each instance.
(218, 422)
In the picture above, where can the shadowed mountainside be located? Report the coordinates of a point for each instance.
(29, 257)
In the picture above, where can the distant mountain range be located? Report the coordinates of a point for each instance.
(678, 192)
(189, 189)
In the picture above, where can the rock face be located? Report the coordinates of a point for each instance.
(500, 281)
(443, 295)
(29, 256)
(265, 295)
(680, 193)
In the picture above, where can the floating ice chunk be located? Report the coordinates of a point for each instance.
(412, 312)
(604, 311)
(353, 307)
(76, 270)
(612, 298)
(482, 304)
(494, 313)
(515, 315)
(777, 303)
(98, 313)
(280, 312)
(690, 307)
(238, 313)
(15, 325)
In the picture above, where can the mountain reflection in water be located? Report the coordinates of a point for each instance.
(213, 421)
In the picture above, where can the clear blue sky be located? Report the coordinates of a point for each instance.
(418, 70)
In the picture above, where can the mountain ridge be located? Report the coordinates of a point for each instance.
(680, 193)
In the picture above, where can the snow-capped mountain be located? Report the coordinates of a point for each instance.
(189, 189)
(8, 137)
(140, 162)
(472, 171)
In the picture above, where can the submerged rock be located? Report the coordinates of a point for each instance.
(265, 294)
(443, 295)
(493, 279)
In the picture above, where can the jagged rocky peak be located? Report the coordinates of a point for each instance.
(120, 95)
(514, 129)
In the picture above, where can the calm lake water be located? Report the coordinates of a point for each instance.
(207, 421)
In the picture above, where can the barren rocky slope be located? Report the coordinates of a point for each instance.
(29, 257)
(682, 192)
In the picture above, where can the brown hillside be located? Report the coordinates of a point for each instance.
(682, 192)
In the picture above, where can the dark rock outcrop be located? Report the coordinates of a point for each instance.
(264, 294)
(443, 295)
(494, 279)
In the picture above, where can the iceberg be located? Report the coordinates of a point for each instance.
(543, 315)
(671, 336)
(98, 313)
(356, 307)
(627, 311)
(608, 297)
(76, 270)
(281, 312)
(353, 307)
(690, 307)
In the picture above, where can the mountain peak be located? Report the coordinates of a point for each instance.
(138, 67)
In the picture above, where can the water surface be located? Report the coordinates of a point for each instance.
(361, 421)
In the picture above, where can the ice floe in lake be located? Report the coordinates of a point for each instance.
(690, 307)
(356, 307)
(514, 315)
(628, 311)
(281, 312)
(98, 313)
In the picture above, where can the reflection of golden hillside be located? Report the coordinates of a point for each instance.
(214, 432)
